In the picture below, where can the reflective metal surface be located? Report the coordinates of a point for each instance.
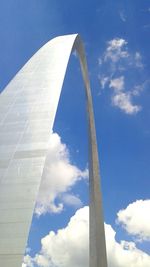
(27, 111)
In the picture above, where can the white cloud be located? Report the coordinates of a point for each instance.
(136, 219)
(28, 262)
(117, 84)
(121, 98)
(116, 44)
(138, 60)
(72, 200)
(124, 102)
(28, 250)
(122, 16)
(100, 61)
(139, 88)
(70, 247)
(116, 59)
(123, 253)
(116, 49)
(103, 81)
(59, 176)
(42, 261)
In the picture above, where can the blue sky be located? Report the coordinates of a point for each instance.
(116, 38)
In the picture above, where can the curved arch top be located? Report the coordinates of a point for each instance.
(28, 107)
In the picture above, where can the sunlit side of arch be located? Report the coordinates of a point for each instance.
(28, 107)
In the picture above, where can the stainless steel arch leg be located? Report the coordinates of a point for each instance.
(27, 107)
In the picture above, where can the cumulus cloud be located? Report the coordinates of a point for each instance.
(70, 247)
(121, 98)
(136, 219)
(58, 178)
(123, 253)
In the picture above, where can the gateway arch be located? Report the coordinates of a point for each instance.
(28, 107)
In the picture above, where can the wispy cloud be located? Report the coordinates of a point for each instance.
(116, 49)
(118, 54)
(122, 99)
(122, 16)
(117, 84)
(124, 102)
(115, 63)
(146, 27)
(103, 81)
(138, 60)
